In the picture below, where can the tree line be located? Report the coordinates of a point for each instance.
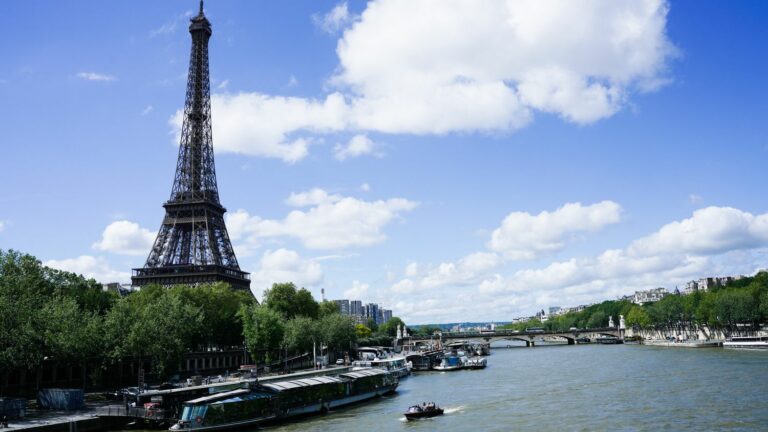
(53, 315)
(739, 306)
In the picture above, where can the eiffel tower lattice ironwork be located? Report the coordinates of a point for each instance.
(192, 246)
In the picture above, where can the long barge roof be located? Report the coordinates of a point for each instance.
(305, 382)
(215, 396)
(364, 373)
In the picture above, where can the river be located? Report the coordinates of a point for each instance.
(576, 388)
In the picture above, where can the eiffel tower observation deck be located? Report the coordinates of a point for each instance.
(192, 246)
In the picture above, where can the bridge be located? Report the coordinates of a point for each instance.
(528, 337)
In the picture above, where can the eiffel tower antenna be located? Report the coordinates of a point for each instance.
(192, 245)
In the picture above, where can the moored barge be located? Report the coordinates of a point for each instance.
(277, 401)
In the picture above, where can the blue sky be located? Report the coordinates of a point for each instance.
(462, 161)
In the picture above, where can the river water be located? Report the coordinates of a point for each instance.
(576, 388)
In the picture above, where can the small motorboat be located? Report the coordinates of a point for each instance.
(423, 411)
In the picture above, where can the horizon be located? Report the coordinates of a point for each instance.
(487, 172)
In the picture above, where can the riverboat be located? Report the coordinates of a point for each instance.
(476, 363)
(397, 365)
(450, 363)
(747, 342)
(281, 400)
(609, 340)
(417, 412)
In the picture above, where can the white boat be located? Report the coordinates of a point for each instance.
(450, 363)
(476, 363)
(748, 342)
(396, 365)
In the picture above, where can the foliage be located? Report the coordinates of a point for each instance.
(219, 304)
(290, 302)
(300, 334)
(740, 305)
(263, 328)
(337, 331)
(425, 330)
(637, 316)
(362, 332)
(371, 324)
(327, 307)
(389, 328)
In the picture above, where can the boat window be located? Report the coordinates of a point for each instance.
(185, 415)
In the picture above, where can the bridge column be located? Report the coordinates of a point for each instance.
(571, 341)
(529, 343)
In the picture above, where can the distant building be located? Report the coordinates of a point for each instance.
(356, 308)
(372, 312)
(343, 306)
(649, 296)
(387, 313)
(555, 310)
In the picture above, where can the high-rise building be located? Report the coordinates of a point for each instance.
(356, 308)
(387, 315)
(343, 306)
(372, 312)
(192, 244)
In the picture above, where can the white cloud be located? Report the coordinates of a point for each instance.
(714, 240)
(292, 82)
(467, 271)
(525, 236)
(148, 109)
(270, 126)
(126, 238)
(469, 65)
(358, 290)
(222, 85)
(358, 145)
(365, 187)
(461, 67)
(93, 76)
(312, 197)
(335, 20)
(333, 223)
(90, 267)
(2, 226)
(283, 265)
(711, 230)
(694, 198)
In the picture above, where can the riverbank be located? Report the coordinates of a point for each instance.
(684, 344)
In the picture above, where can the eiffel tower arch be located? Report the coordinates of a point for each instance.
(192, 246)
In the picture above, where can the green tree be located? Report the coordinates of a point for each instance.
(637, 316)
(164, 330)
(327, 307)
(362, 332)
(290, 302)
(300, 334)
(597, 320)
(281, 298)
(337, 331)
(389, 328)
(305, 304)
(371, 324)
(263, 329)
(220, 304)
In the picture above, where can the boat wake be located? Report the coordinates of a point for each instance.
(453, 410)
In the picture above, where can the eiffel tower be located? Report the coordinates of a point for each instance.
(192, 246)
